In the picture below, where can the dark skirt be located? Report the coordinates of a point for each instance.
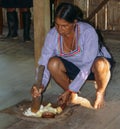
(72, 70)
(17, 3)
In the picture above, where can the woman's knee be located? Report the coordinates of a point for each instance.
(100, 64)
(53, 63)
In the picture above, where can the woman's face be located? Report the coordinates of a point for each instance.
(63, 27)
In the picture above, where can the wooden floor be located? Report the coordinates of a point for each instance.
(17, 76)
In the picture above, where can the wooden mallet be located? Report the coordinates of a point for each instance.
(36, 101)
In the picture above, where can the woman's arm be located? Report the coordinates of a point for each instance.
(47, 52)
(89, 53)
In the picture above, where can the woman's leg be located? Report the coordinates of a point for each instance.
(101, 70)
(58, 72)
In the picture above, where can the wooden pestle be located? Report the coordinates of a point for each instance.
(36, 101)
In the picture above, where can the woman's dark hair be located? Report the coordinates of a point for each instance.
(68, 12)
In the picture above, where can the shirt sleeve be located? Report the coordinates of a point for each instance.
(47, 52)
(89, 53)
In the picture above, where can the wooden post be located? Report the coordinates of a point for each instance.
(106, 17)
(41, 15)
(87, 8)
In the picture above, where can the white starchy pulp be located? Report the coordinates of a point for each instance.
(47, 108)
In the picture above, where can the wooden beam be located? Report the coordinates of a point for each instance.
(97, 9)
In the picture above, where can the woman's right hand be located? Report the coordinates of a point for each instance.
(35, 92)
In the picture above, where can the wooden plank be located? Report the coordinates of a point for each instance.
(97, 9)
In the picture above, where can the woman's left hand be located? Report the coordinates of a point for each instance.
(63, 99)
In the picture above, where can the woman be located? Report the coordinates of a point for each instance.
(71, 55)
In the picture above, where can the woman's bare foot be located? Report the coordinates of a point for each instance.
(99, 102)
(75, 99)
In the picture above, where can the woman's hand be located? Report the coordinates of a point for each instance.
(35, 92)
(63, 99)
